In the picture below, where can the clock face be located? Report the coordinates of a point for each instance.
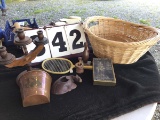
(63, 41)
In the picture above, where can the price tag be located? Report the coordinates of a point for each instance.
(58, 41)
(45, 53)
(76, 38)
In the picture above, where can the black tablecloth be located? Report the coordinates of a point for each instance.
(137, 85)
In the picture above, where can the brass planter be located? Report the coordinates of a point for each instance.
(34, 87)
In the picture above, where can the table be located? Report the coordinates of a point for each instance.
(137, 86)
(144, 113)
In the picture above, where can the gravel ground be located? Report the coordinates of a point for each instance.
(137, 11)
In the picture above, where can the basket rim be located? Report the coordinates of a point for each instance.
(149, 41)
(94, 18)
(119, 43)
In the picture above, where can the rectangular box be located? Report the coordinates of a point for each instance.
(103, 72)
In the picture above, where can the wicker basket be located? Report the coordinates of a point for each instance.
(123, 42)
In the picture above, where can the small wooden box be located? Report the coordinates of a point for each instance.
(103, 72)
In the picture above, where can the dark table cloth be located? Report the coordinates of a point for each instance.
(137, 85)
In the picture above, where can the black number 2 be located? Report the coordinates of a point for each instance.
(62, 43)
(78, 36)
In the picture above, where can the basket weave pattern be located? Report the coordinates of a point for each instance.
(121, 41)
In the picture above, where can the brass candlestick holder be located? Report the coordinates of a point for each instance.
(34, 83)
(5, 57)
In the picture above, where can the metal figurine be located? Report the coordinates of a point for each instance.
(79, 66)
(85, 54)
(40, 39)
(5, 57)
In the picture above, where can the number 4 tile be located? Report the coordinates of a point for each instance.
(58, 41)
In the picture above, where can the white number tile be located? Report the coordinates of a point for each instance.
(31, 46)
(52, 34)
(72, 40)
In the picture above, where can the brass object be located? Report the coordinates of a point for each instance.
(5, 57)
(21, 39)
(34, 83)
(85, 54)
(34, 87)
(26, 58)
(79, 66)
(40, 39)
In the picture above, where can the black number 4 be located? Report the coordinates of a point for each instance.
(61, 42)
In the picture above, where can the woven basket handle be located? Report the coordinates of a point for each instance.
(88, 20)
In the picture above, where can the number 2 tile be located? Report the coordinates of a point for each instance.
(76, 38)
